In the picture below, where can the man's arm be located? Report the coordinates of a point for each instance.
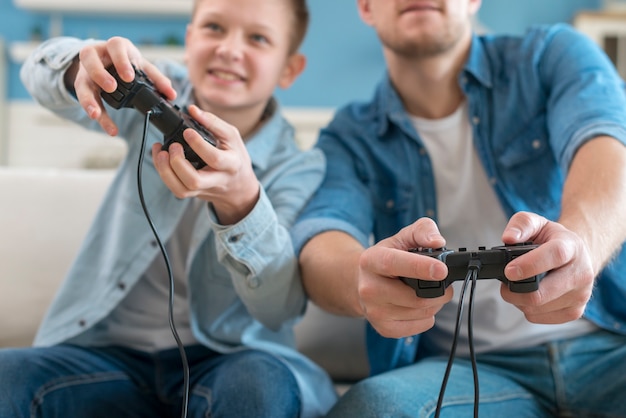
(343, 278)
(330, 267)
(575, 249)
(594, 198)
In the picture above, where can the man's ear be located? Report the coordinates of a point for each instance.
(474, 6)
(293, 68)
(364, 11)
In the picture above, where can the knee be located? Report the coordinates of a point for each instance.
(368, 395)
(15, 368)
(378, 397)
(17, 385)
(255, 383)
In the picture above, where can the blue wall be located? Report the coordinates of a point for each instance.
(344, 56)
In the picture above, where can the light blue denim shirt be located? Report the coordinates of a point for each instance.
(244, 284)
(533, 101)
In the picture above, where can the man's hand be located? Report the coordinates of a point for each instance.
(387, 303)
(564, 292)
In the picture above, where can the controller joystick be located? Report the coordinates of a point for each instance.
(168, 118)
(492, 262)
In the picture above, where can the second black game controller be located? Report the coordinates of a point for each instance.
(142, 95)
(491, 261)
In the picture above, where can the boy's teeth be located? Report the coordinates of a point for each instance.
(226, 76)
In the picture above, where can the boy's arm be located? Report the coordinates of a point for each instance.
(44, 75)
(66, 75)
(251, 216)
(258, 251)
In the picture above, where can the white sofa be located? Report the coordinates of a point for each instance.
(44, 215)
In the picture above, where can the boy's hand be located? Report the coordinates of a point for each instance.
(564, 292)
(387, 303)
(228, 181)
(91, 76)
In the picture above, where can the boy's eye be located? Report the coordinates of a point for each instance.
(260, 39)
(213, 27)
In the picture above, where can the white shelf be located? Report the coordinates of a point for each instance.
(608, 30)
(19, 51)
(143, 7)
(598, 25)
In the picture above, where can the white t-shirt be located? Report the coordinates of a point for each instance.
(470, 215)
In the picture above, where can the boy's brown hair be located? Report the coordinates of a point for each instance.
(300, 22)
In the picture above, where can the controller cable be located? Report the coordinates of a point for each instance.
(181, 348)
(471, 276)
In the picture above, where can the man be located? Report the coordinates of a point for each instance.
(477, 141)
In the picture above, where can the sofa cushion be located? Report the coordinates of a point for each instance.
(45, 215)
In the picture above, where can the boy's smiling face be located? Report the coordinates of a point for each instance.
(238, 52)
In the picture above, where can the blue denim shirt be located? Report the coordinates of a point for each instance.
(244, 284)
(533, 101)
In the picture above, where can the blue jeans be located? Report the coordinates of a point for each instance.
(580, 377)
(69, 381)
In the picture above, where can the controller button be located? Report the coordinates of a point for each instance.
(428, 284)
(117, 95)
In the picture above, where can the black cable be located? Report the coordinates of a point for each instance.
(181, 348)
(472, 275)
(474, 267)
(457, 327)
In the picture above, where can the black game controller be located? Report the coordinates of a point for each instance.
(168, 118)
(492, 263)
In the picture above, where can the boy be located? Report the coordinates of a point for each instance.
(105, 347)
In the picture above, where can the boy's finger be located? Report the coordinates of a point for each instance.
(222, 130)
(87, 94)
(160, 81)
(94, 67)
(163, 164)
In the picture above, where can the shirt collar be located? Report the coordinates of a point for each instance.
(262, 145)
(390, 107)
(477, 64)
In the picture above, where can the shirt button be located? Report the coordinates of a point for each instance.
(82, 323)
(493, 181)
(536, 144)
(121, 285)
(423, 151)
(253, 282)
(475, 120)
(430, 213)
(153, 243)
(390, 204)
(234, 238)
(408, 341)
